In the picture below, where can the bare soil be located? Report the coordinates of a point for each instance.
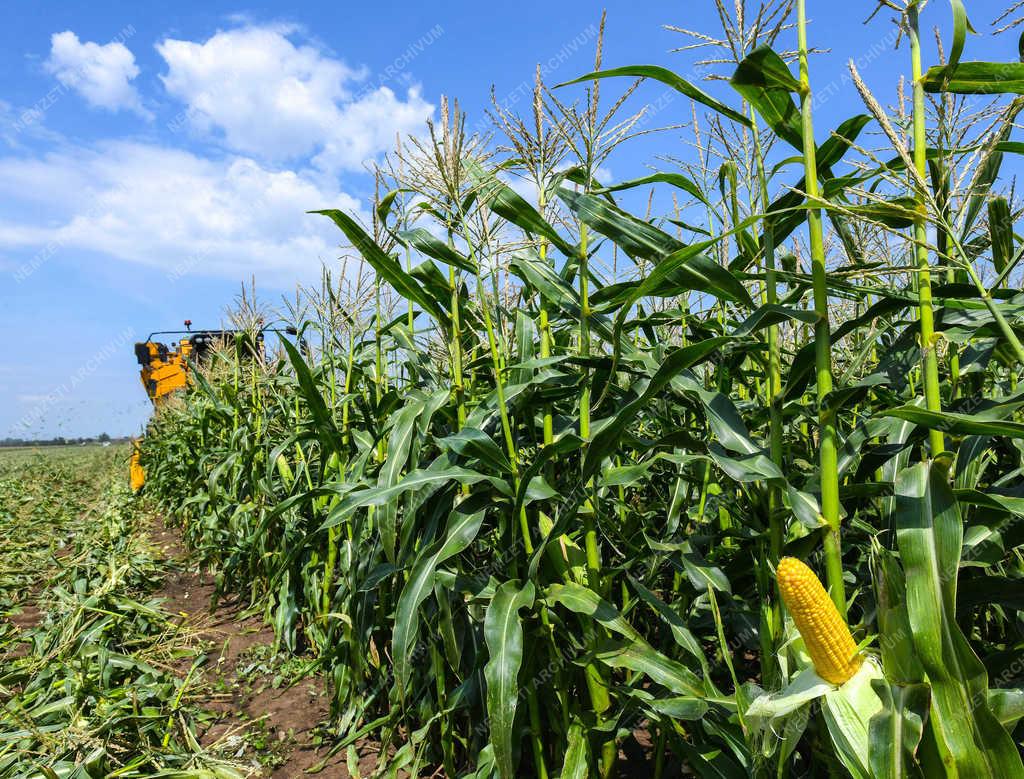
(286, 716)
(24, 620)
(28, 617)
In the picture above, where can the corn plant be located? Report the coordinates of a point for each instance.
(532, 482)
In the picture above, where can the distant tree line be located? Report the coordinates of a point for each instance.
(102, 438)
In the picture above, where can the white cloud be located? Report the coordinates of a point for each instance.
(280, 101)
(100, 74)
(31, 399)
(171, 209)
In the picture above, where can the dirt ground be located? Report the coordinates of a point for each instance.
(247, 695)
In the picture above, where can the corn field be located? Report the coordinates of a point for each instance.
(522, 481)
(89, 682)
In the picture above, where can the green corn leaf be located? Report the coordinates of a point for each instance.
(1000, 228)
(526, 338)
(685, 269)
(897, 213)
(399, 444)
(385, 205)
(895, 732)
(583, 600)
(462, 529)
(929, 532)
(961, 26)
(503, 633)
(722, 415)
(426, 477)
(432, 246)
(561, 447)
(773, 314)
(540, 276)
(976, 78)
(576, 763)
(899, 659)
(605, 441)
(385, 265)
(508, 204)
(641, 657)
(330, 436)
(785, 213)
(474, 443)
(679, 707)
(666, 76)
(677, 180)
(764, 80)
(636, 237)
(957, 424)
(1007, 705)
(682, 635)
(701, 573)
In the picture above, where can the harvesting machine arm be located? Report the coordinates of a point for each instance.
(164, 369)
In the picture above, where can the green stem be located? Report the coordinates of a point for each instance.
(932, 396)
(829, 461)
(513, 457)
(545, 325)
(597, 685)
(457, 380)
(380, 377)
(499, 386)
(773, 393)
(774, 384)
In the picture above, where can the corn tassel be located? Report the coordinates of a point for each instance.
(824, 631)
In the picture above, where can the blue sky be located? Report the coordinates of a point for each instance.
(154, 157)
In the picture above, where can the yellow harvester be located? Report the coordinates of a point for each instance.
(164, 370)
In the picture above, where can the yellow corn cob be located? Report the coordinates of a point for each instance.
(824, 631)
(137, 476)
